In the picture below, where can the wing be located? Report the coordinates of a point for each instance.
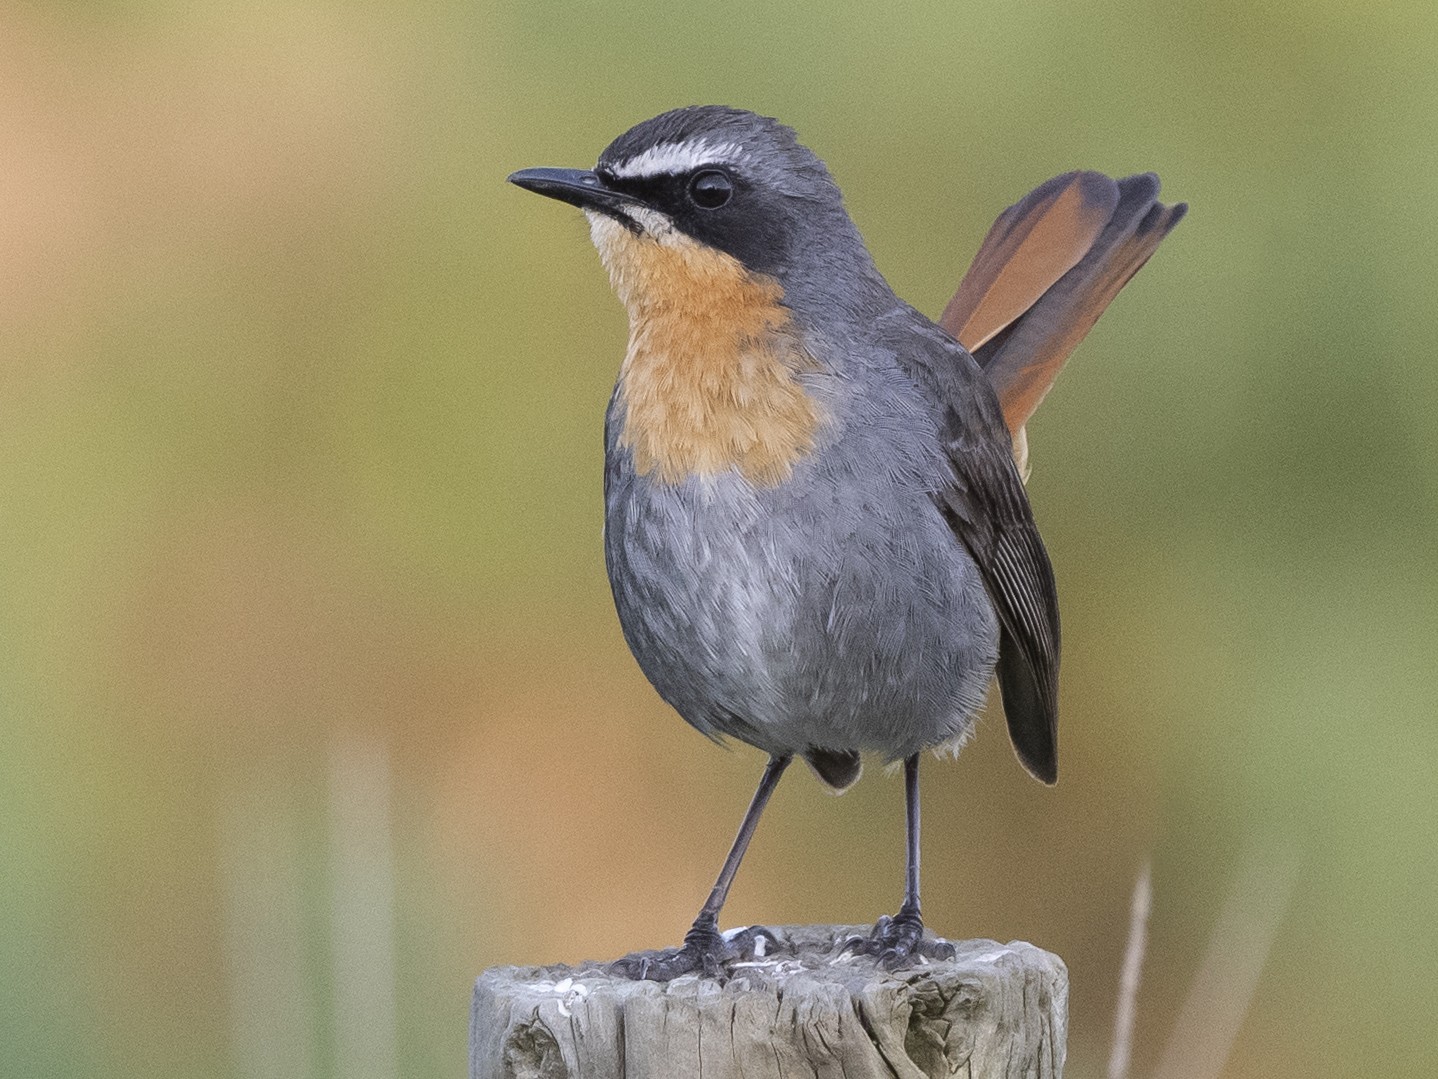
(985, 505)
(989, 512)
(1045, 314)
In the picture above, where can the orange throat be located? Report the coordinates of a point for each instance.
(710, 382)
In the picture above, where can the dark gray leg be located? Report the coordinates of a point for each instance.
(704, 949)
(911, 864)
(899, 939)
(709, 913)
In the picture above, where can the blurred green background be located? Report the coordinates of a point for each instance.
(314, 704)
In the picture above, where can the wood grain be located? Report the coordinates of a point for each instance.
(808, 1010)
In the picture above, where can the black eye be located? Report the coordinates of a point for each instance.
(710, 189)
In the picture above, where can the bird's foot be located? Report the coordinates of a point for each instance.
(705, 952)
(900, 941)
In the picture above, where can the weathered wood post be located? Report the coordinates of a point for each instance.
(806, 1010)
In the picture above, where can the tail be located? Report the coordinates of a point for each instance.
(1047, 269)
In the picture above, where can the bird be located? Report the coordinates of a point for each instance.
(816, 528)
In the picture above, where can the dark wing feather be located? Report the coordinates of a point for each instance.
(989, 512)
(985, 504)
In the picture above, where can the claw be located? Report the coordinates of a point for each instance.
(751, 943)
(704, 951)
(899, 942)
(661, 966)
(854, 945)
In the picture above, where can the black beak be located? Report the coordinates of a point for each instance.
(576, 187)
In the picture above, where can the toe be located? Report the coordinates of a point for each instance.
(755, 942)
(631, 967)
(854, 945)
(939, 949)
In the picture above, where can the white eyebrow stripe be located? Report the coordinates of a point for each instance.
(673, 158)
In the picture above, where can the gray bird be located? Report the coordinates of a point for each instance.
(816, 528)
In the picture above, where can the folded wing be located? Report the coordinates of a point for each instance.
(984, 503)
(988, 511)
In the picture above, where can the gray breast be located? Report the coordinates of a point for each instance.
(836, 610)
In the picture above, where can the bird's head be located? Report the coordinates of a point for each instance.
(708, 192)
(728, 243)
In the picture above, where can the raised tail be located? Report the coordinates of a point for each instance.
(1048, 268)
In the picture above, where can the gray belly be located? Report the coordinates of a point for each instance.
(829, 612)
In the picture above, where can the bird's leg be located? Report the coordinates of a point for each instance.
(899, 939)
(704, 948)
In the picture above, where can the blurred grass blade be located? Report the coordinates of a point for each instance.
(1219, 999)
(1125, 1012)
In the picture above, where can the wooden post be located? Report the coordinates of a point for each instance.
(994, 1011)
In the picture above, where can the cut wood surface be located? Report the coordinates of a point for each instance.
(806, 1009)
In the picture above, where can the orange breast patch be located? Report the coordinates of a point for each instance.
(710, 380)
